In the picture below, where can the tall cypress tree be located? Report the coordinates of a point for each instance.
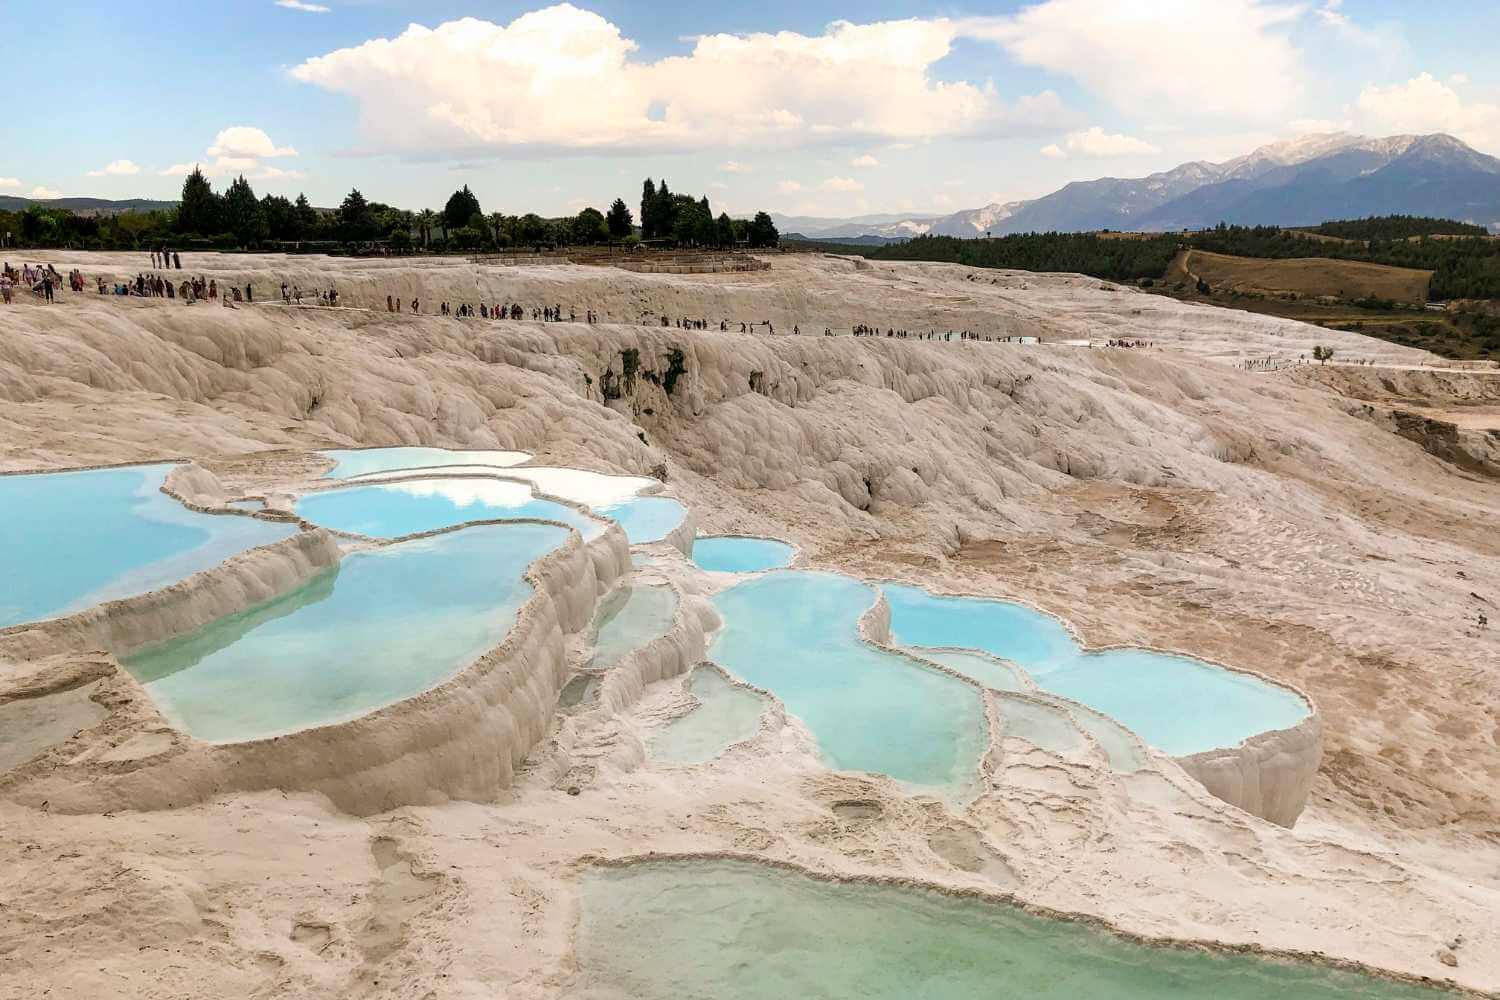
(664, 215)
(648, 209)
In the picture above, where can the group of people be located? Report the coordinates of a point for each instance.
(506, 310)
(1131, 343)
(43, 281)
(292, 295)
(164, 259)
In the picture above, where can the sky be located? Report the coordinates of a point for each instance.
(803, 108)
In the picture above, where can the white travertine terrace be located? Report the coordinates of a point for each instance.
(1153, 497)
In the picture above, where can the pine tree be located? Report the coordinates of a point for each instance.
(199, 210)
(619, 220)
(242, 213)
(462, 206)
(763, 231)
(307, 219)
(356, 220)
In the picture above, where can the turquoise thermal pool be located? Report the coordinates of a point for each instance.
(987, 670)
(726, 714)
(1177, 704)
(645, 519)
(412, 506)
(734, 930)
(629, 618)
(386, 624)
(353, 462)
(70, 540)
(741, 555)
(795, 634)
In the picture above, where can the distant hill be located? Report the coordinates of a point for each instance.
(86, 206)
(851, 241)
(1297, 183)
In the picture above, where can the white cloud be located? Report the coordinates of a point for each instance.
(10, 182)
(563, 78)
(841, 184)
(310, 8)
(789, 187)
(45, 193)
(1095, 143)
(865, 162)
(732, 167)
(246, 142)
(1331, 15)
(117, 168)
(1424, 104)
(1209, 59)
(239, 150)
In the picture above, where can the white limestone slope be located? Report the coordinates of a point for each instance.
(1150, 497)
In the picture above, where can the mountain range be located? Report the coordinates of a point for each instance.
(85, 206)
(1300, 182)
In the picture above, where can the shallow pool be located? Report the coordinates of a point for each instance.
(645, 519)
(69, 540)
(794, 633)
(726, 714)
(741, 555)
(351, 462)
(987, 670)
(1175, 703)
(629, 618)
(386, 624)
(412, 506)
(732, 930)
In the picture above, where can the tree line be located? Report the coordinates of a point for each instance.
(1465, 263)
(237, 219)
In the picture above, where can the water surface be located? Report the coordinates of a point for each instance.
(726, 714)
(795, 634)
(70, 540)
(1177, 704)
(351, 462)
(629, 618)
(412, 506)
(384, 625)
(730, 554)
(728, 930)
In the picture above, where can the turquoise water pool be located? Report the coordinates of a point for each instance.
(987, 670)
(645, 519)
(69, 540)
(730, 930)
(393, 510)
(629, 618)
(741, 555)
(384, 625)
(351, 462)
(726, 714)
(794, 633)
(1175, 703)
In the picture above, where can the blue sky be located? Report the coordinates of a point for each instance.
(804, 108)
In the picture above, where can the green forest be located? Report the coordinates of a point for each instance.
(236, 219)
(1465, 263)
(1396, 227)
